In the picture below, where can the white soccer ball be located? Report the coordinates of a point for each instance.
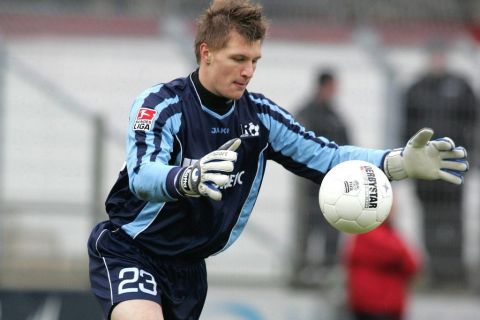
(355, 196)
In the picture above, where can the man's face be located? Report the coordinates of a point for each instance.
(328, 91)
(226, 72)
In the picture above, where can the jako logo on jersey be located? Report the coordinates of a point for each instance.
(249, 130)
(144, 120)
(217, 130)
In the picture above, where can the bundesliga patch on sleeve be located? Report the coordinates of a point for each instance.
(144, 120)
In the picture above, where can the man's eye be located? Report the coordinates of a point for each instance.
(238, 59)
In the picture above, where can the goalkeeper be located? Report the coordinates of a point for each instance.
(197, 148)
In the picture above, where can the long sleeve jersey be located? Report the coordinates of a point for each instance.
(169, 128)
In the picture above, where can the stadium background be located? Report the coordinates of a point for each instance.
(68, 73)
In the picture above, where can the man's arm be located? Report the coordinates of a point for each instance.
(301, 151)
(309, 156)
(151, 133)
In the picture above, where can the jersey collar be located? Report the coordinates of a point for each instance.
(212, 104)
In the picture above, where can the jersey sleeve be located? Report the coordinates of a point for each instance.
(301, 151)
(153, 124)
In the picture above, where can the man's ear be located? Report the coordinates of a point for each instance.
(205, 53)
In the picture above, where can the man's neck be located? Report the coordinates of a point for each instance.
(218, 104)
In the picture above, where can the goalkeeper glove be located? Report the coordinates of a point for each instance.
(209, 173)
(428, 160)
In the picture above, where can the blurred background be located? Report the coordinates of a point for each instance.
(69, 71)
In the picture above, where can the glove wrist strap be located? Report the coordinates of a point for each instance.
(393, 165)
(184, 182)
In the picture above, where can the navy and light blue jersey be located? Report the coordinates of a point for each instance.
(169, 128)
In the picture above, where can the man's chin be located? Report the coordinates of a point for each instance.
(236, 95)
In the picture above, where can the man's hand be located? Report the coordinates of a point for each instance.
(209, 173)
(428, 160)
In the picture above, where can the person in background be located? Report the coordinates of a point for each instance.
(380, 266)
(316, 241)
(445, 101)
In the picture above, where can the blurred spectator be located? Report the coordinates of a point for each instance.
(380, 267)
(444, 101)
(316, 240)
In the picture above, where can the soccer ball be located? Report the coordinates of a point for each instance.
(355, 196)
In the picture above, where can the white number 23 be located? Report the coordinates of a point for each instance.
(136, 279)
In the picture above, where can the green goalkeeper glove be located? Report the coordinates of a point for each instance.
(428, 160)
(209, 173)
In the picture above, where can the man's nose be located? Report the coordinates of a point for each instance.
(248, 70)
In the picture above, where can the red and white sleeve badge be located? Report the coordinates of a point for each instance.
(145, 119)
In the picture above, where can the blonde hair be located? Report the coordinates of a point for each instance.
(223, 16)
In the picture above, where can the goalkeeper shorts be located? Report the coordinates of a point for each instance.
(120, 271)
